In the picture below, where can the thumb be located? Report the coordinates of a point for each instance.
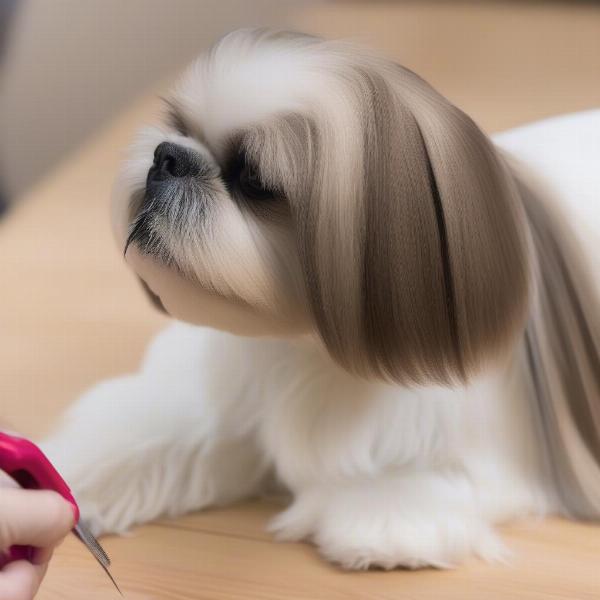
(38, 518)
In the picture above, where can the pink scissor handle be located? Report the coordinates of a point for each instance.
(29, 467)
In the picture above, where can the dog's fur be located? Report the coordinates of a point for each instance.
(413, 346)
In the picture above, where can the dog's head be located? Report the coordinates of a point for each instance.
(300, 185)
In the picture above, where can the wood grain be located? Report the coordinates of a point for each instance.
(71, 315)
(553, 559)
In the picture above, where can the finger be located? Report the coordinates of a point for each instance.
(39, 518)
(42, 555)
(7, 481)
(20, 580)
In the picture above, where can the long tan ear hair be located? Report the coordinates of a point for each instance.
(412, 237)
(562, 354)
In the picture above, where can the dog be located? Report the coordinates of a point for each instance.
(379, 312)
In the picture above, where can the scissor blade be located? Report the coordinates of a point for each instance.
(110, 577)
(93, 545)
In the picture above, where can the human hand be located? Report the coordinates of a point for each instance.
(37, 518)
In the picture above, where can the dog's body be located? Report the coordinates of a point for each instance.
(412, 468)
(405, 477)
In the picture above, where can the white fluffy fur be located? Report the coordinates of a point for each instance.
(405, 478)
(379, 475)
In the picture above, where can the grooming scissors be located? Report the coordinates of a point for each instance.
(29, 467)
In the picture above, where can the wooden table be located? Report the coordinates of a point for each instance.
(71, 315)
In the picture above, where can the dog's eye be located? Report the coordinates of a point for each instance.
(251, 184)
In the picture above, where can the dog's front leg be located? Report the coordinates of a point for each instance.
(419, 519)
(155, 443)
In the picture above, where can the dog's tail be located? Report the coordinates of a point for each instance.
(562, 345)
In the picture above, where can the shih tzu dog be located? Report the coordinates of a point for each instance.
(396, 326)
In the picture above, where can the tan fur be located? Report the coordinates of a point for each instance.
(434, 278)
(562, 347)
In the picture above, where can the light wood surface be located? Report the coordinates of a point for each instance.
(71, 315)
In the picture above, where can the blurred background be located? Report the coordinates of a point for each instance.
(68, 66)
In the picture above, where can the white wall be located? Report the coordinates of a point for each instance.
(72, 63)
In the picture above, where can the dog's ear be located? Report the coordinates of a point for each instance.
(562, 352)
(411, 235)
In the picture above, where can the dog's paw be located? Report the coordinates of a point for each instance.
(292, 525)
(357, 534)
(388, 541)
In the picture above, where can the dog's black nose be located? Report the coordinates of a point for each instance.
(170, 161)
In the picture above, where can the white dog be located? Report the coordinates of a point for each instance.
(409, 339)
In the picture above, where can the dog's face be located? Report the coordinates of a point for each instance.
(298, 186)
